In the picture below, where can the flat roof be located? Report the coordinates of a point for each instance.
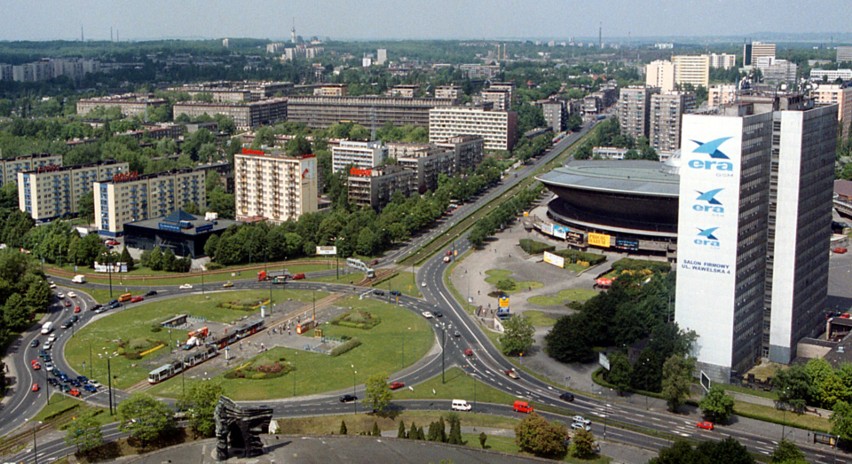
(174, 218)
(631, 176)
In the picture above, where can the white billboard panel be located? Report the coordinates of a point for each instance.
(554, 259)
(326, 250)
(711, 148)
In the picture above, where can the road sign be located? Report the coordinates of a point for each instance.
(705, 381)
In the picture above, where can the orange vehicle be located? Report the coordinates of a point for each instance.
(305, 326)
(522, 406)
(125, 297)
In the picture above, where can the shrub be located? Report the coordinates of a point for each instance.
(156, 328)
(629, 264)
(346, 346)
(533, 247)
(576, 256)
(357, 319)
(211, 266)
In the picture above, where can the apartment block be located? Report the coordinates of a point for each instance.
(320, 112)
(404, 90)
(375, 187)
(246, 115)
(723, 61)
(555, 114)
(634, 107)
(844, 54)
(51, 192)
(451, 92)
(129, 197)
(830, 75)
(666, 115)
(660, 74)
(498, 129)
(753, 51)
(692, 69)
(777, 71)
(129, 104)
(719, 95)
(364, 155)
(840, 95)
(426, 161)
(274, 186)
(9, 168)
(468, 150)
(500, 98)
(331, 90)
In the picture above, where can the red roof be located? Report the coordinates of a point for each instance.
(843, 188)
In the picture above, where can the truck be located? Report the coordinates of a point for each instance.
(47, 328)
(79, 279)
(272, 275)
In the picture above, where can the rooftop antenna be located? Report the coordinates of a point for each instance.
(117, 39)
(293, 31)
(600, 35)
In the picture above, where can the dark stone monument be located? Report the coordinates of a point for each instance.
(238, 429)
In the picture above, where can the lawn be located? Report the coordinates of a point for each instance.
(351, 277)
(89, 344)
(459, 386)
(63, 408)
(381, 351)
(563, 297)
(541, 319)
(496, 275)
(804, 421)
(327, 425)
(402, 281)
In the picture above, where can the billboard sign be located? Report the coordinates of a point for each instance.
(560, 231)
(554, 259)
(326, 250)
(627, 244)
(599, 240)
(547, 228)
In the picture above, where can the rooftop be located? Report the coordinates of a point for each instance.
(635, 176)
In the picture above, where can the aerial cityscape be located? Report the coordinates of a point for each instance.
(484, 232)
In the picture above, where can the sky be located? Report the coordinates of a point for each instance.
(416, 19)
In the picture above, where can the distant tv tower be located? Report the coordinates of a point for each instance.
(600, 35)
(293, 32)
(110, 34)
(82, 37)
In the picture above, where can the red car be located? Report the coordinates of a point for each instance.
(299, 276)
(468, 352)
(74, 392)
(76, 309)
(706, 425)
(112, 243)
(840, 250)
(66, 303)
(35, 364)
(396, 385)
(36, 387)
(137, 299)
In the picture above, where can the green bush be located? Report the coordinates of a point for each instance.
(575, 256)
(533, 247)
(628, 264)
(156, 328)
(211, 266)
(357, 319)
(346, 346)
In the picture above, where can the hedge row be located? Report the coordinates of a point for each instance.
(576, 256)
(534, 247)
(343, 348)
(628, 264)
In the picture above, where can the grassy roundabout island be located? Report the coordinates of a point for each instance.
(255, 372)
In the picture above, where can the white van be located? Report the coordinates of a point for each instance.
(79, 279)
(47, 328)
(461, 405)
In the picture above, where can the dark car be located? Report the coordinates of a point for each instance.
(112, 302)
(96, 307)
(348, 398)
(66, 324)
(151, 293)
(34, 343)
(378, 292)
(90, 388)
(395, 292)
(438, 313)
(567, 396)
(74, 319)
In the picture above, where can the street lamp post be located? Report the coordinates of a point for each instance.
(109, 271)
(202, 279)
(109, 381)
(35, 443)
(355, 398)
(443, 345)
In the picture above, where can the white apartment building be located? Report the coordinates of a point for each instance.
(719, 95)
(836, 94)
(51, 192)
(830, 75)
(9, 168)
(666, 114)
(692, 69)
(723, 61)
(364, 155)
(660, 74)
(274, 186)
(497, 128)
(130, 197)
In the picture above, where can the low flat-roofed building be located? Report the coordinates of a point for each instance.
(183, 233)
(130, 104)
(320, 112)
(246, 115)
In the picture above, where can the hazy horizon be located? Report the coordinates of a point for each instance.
(417, 19)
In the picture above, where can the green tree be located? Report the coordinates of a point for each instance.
(787, 453)
(376, 431)
(717, 405)
(536, 435)
(793, 385)
(84, 432)
(677, 378)
(126, 258)
(619, 372)
(505, 285)
(680, 452)
(583, 445)
(342, 430)
(378, 395)
(400, 433)
(145, 418)
(517, 335)
(482, 438)
(155, 259)
(299, 145)
(200, 403)
(841, 420)
(454, 437)
(412, 432)
(86, 208)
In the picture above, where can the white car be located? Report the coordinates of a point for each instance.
(60, 295)
(52, 285)
(581, 420)
(579, 426)
(185, 286)
(95, 383)
(427, 314)
(423, 284)
(72, 295)
(49, 366)
(51, 338)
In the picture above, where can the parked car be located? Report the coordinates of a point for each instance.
(566, 396)
(706, 425)
(95, 383)
(90, 388)
(378, 292)
(348, 398)
(150, 293)
(112, 243)
(185, 287)
(137, 299)
(840, 250)
(396, 385)
(74, 392)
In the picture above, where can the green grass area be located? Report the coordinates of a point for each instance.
(459, 385)
(350, 278)
(327, 425)
(381, 351)
(541, 319)
(770, 414)
(402, 281)
(63, 409)
(563, 297)
(496, 275)
(135, 323)
(750, 391)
